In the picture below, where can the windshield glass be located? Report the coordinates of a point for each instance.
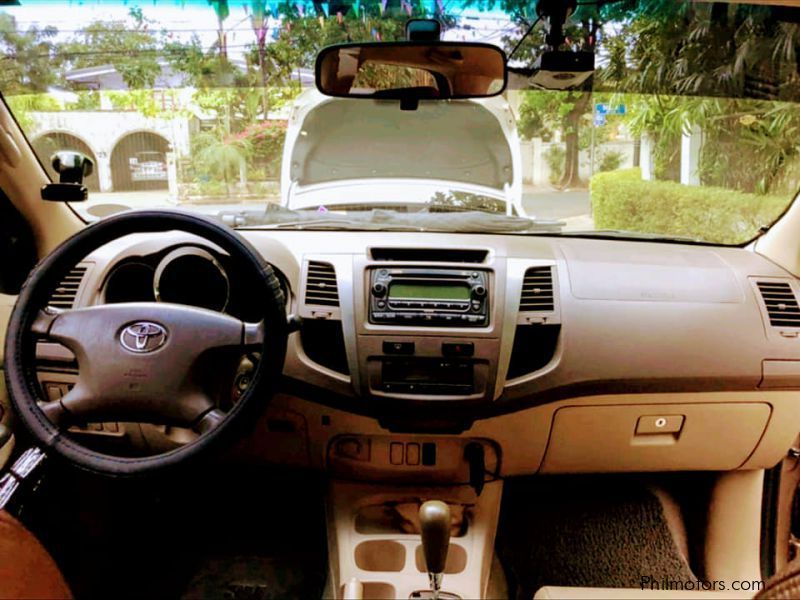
(687, 129)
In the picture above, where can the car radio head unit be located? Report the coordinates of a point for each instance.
(434, 297)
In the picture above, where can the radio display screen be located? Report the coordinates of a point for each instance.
(423, 291)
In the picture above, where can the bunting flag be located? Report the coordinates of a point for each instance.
(406, 6)
(439, 7)
(383, 5)
(301, 10)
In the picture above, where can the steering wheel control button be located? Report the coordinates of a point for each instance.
(143, 336)
(458, 348)
(655, 424)
(398, 347)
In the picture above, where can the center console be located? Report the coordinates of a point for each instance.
(376, 551)
(428, 331)
(427, 296)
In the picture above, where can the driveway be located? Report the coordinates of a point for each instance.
(553, 204)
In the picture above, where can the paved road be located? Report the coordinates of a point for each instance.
(551, 204)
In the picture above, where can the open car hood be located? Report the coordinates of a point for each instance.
(333, 139)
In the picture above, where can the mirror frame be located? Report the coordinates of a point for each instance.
(409, 95)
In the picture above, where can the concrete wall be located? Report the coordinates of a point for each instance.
(536, 172)
(101, 131)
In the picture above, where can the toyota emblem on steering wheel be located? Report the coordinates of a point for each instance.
(143, 336)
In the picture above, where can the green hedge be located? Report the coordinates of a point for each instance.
(622, 200)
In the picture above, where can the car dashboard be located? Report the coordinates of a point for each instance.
(549, 354)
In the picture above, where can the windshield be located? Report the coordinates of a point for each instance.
(687, 129)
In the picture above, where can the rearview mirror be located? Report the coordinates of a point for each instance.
(411, 70)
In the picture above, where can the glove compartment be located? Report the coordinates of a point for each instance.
(654, 437)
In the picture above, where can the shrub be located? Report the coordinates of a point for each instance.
(622, 200)
(611, 161)
(555, 156)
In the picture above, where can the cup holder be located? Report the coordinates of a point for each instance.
(375, 590)
(380, 555)
(456, 560)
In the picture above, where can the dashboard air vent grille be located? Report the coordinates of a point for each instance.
(321, 285)
(453, 255)
(67, 290)
(537, 290)
(781, 303)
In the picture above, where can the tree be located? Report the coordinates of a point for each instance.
(132, 48)
(222, 11)
(221, 155)
(28, 61)
(698, 65)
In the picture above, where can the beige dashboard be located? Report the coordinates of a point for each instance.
(595, 355)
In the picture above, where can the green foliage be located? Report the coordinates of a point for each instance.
(28, 62)
(220, 156)
(555, 156)
(266, 140)
(87, 100)
(466, 201)
(130, 47)
(611, 161)
(622, 200)
(22, 105)
(667, 47)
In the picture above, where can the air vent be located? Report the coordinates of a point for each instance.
(781, 303)
(453, 255)
(321, 285)
(537, 290)
(67, 290)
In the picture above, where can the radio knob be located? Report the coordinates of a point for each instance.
(479, 291)
(378, 289)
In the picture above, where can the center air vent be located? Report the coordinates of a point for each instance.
(453, 255)
(781, 303)
(537, 290)
(321, 285)
(67, 290)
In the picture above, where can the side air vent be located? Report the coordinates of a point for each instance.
(537, 290)
(781, 303)
(321, 285)
(67, 290)
(453, 255)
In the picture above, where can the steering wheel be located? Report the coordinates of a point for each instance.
(142, 361)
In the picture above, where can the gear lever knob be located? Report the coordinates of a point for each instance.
(434, 520)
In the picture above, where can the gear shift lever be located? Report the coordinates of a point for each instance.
(434, 520)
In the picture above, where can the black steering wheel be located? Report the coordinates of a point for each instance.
(142, 361)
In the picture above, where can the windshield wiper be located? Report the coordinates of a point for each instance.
(386, 220)
(340, 224)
